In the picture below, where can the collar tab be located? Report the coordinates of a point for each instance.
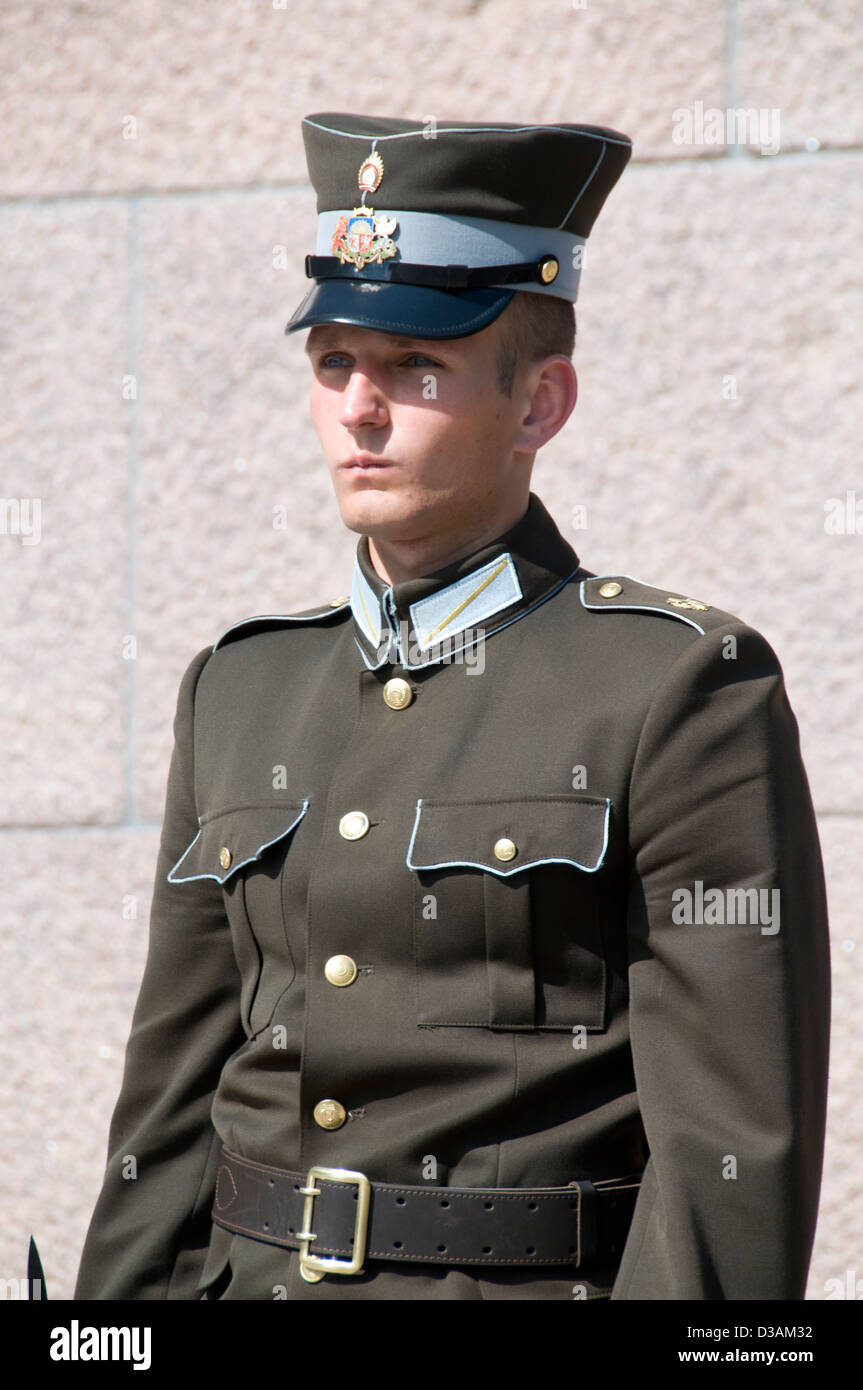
(433, 618)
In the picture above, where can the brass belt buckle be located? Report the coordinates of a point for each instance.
(314, 1267)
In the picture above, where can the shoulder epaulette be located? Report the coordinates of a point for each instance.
(269, 622)
(622, 592)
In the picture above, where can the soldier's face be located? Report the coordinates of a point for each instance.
(419, 439)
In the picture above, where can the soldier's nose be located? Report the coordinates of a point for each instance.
(362, 403)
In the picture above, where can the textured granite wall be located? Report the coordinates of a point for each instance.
(153, 417)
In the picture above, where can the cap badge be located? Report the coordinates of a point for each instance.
(363, 237)
(371, 173)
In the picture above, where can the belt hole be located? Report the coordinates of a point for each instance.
(441, 1249)
(572, 1250)
(266, 1225)
(444, 1203)
(532, 1206)
(489, 1206)
(271, 1183)
(486, 1249)
(397, 1245)
(400, 1201)
(530, 1250)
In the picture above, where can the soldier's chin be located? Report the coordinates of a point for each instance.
(371, 511)
(364, 508)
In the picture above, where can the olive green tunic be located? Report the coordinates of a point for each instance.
(560, 974)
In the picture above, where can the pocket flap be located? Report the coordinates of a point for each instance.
(229, 840)
(505, 837)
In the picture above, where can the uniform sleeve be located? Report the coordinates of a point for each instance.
(150, 1229)
(729, 1018)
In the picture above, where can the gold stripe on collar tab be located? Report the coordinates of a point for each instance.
(470, 598)
(365, 610)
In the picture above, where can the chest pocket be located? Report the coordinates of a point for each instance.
(507, 926)
(243, 848)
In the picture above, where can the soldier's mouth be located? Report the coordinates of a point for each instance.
(364, 463)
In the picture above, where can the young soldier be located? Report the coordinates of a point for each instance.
(488, 946)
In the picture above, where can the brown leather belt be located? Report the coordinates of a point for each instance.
(337, 1218)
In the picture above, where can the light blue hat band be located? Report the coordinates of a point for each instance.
(427, 238)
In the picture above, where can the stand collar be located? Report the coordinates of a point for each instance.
(426, 621)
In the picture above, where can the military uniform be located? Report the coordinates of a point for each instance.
(499, 887)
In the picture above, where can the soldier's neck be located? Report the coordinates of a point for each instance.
(396, 562)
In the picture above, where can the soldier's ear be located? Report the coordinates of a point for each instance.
(549, 393)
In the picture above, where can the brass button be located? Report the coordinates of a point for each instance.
(329, 1114)
(611, 590)
(397, 693)
(505, 849)
(337, 602)
(225, 857)
(354, 825)
(340, 970)
(548, 269)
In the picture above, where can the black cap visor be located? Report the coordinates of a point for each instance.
(411, 310)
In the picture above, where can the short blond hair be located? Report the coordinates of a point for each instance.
(532, 326)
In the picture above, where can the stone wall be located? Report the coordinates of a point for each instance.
(153, 431)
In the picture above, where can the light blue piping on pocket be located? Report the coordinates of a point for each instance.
(192, 878)
(504, 873)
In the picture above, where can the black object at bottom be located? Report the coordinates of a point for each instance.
(35, 1273)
